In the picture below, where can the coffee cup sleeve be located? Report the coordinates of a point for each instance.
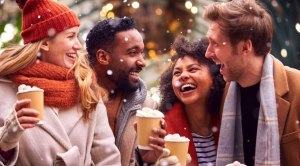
(10, 132)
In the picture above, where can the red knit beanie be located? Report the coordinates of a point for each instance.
(44, 18)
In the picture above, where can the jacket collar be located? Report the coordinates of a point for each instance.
(281, 88)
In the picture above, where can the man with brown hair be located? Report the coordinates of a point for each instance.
(261, 108)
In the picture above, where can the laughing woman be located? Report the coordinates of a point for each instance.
(191, 90)
(75, 130)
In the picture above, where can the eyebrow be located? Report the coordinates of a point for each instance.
(210, 38)
(68, 33)
(189, 66)
(133, 47)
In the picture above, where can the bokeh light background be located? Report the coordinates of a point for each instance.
(159, 22)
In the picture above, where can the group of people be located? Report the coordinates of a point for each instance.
(225, 92)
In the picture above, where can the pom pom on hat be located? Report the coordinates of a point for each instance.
(44, 18)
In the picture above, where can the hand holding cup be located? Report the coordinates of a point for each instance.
(30, 106)
(147, 120)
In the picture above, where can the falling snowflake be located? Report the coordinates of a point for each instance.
(250, 7)
(126, 39)
(189, 31)
(39, 54)
(39, 16)
(274, 3)
(125, 100)
(37, 61)
(287, 43)
(214, 129)
(190, 20)
(51, 32)
(177, 84)
(224, 43)
(124, 0)
(168, 31)
(109, 72)
(121, 60)
(112, 91)
(14, 129)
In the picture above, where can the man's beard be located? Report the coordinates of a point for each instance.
(235, 67)
(121, 79)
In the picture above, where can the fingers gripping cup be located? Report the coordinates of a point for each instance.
(147, 119)
(36, 95)
(178, 147)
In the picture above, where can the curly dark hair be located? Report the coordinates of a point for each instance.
(195, 50)
(102, 35)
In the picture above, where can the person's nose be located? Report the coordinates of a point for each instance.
(77, 45)
(184, 75)
(209, 52)
(141, 61)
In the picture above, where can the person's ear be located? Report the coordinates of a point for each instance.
(103, 57)
(247, 47)
(45, 45)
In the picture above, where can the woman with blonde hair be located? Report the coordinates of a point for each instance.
(75, 129)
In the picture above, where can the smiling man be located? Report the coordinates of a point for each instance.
(115, 50)
(261, 112)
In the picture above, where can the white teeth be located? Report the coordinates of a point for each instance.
(72, 55)
(187, 85)
(134, 74)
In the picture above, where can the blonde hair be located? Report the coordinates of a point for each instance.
(242, 20)
(90, 91)
(19, 57)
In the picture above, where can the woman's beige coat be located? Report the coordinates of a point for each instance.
(63, 139)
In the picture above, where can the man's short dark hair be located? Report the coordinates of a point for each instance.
(102, 35)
